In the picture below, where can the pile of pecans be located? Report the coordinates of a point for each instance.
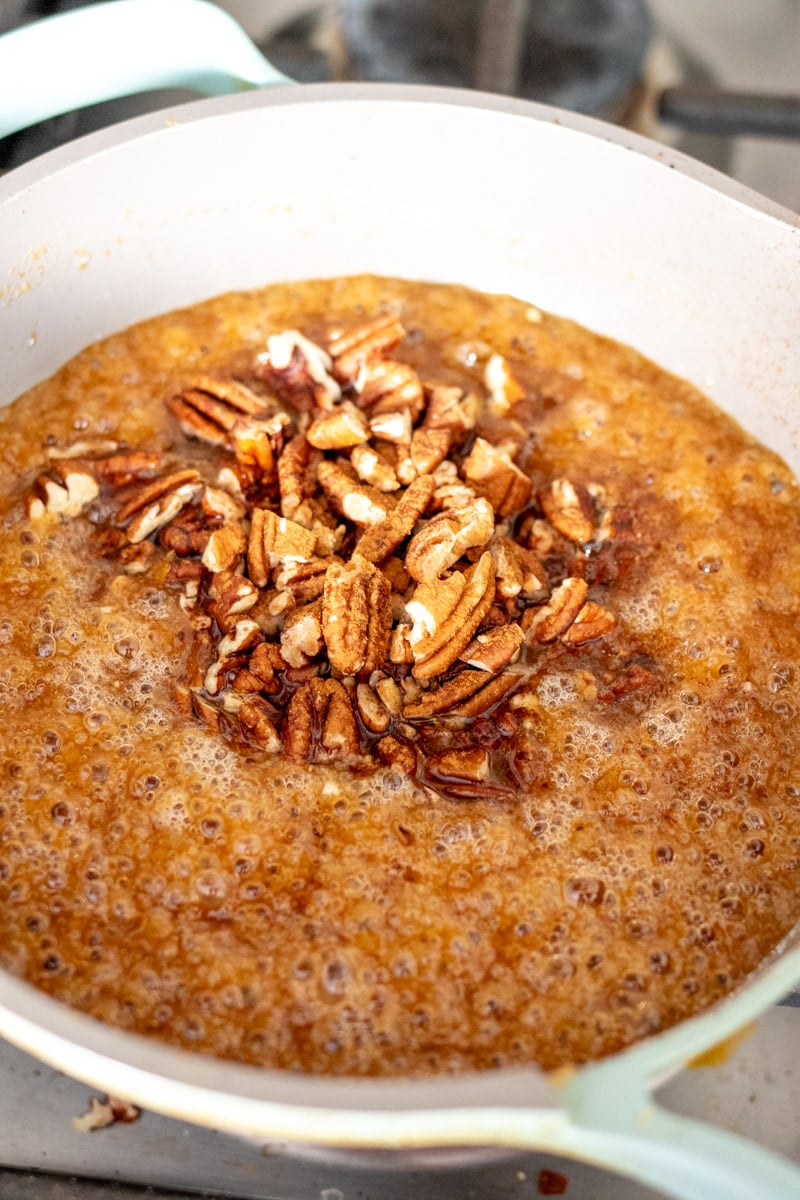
(369, 573)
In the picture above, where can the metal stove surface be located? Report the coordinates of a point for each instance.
(756, 1093)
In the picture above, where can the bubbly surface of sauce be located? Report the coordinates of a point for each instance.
(301, 917)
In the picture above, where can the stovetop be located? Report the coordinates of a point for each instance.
(756, 1093)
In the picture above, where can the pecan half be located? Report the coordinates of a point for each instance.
(298, 369)
(224, 548)
(378, 542)
(356, 616)
(447, 536)
(301, 636)
(554, 618)
(446, 616)
(275, 541)
(569, 509)
(593, 621)
(389, 386)
(352, 349)
(343, 427)
(495, 649)
(208, 408)
(493, 475)
(157, 504)
(320, 722)
(360, 504)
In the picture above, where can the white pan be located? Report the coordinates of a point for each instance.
(581, 218)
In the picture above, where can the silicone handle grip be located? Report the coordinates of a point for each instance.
(121, 47)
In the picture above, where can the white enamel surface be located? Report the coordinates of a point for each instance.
(496, 194)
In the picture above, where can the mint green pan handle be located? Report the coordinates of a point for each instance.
(118, 48)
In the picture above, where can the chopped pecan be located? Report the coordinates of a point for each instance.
(182, 572)
(295, 479)
(265, 660)
(78, 487)
(450, 408)
(570, 509)
(275, 541)
(388, 386)
(352, 349)
(429, 447)
(446, 537)
(232, 651)
(319, 722)
(225, 548)
(468, 694)
(495, 649)
(298, 369)
(230, 596)
(472, 765)
(136, 559)
(217, 503)
(400, 651)
(554, 618)
(519, 572)
(592, 621)
(304, 580)
(363, 505)
(314, 516)
(257, 726)
(356, 616)
(301, 636)
(392, 425)
(379, 541)
(209, 408)
(371, 709)
(446, 616)
(255, 444)
(157, 503)
(504, 390)
(339, 429)
(373, 468)
(397, 754)
(617, 523)
(188, 533)
(395, 571)
(120, 470)
(493, 475)
(389, 692)
(86, 448)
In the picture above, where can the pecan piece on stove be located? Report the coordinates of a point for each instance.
(275, 541)
(495, 649)
(371, 709)
(209, 408)
(448, 535)
(360, 504)
(86, 448)
(471, 765)
(217, 503)
(319, 722)
(397, 754)
(339, 429)
(392, 425)
(504, 390)
(389, 386)
(373, 468)
(449, 408)
(493, 475)
(350, 350)
(429, 447)
(78, 487)
(230, 596)
(301, 636)
(593, 621)
(120, 470)
(617, 523)
(356, 616)
(446, 615)
(468, 694)
(157, 503)
(232, 652)
(295, 479)
(554, 618)
(298, 369)
(519, 572)
(257, 726)
(188, 533)
(379, 541)
(306, 580)
(570, 509)
(225, 548)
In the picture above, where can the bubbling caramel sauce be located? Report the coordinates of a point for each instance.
(308, 917)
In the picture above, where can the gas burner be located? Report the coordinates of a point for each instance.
(585, 55)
